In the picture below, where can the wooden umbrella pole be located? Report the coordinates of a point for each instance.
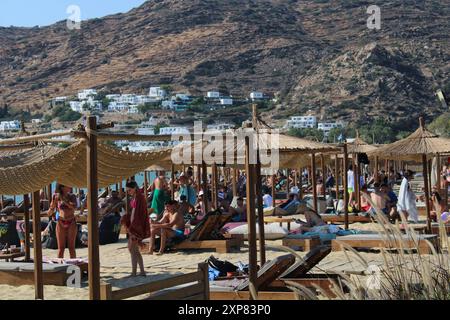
(145, 184)
(1, 202)
(198, 177)
(322, 163)
(253, 257)
(300, 182)
(93, 234)
(274, 177)
(427, 191)
(345, 181)
(358, 183)
(26, 208)
(49, 192)
(234, 182)
(314, 181)
(287, 183)
(214, 179)
(205, 186)
(172, 181)
(438, 169)
(336, 174)
(259, 201)
(295, 178)
(37, 247)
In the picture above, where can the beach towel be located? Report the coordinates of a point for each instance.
(407, 201)
(158, 201)
(139, 228)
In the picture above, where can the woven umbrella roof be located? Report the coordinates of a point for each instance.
(360, 146)
(414, 146)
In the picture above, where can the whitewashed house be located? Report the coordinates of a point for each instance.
(301, 122)
(213, 94)
(256, 95)
(84, 94)
(9, 125)
(226, 101)
(219, 127)
(36, 121)
(157, 93)
(173, 130)
(327, 126)
(76, 106)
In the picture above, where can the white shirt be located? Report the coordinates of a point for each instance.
(351, 179)
(267, 201)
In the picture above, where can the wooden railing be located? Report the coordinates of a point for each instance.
(195, 286)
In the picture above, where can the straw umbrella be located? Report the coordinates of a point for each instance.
(418, 147)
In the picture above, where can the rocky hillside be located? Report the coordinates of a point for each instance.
(316, 55)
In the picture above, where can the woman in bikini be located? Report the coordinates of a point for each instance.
(137, 223)
(65, 203)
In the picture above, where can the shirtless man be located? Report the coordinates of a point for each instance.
(380, 198)
(312, 220)
(170, 226)
(159, 190)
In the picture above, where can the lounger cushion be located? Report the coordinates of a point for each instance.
(272, 231)
(46, 267)
(11, 266)
(324, 237)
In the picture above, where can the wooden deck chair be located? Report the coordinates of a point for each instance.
(269, 272)
(333, 218)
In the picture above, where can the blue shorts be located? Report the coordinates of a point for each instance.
(179, 233)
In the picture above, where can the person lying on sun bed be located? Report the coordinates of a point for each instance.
(288, 207)
(170, 226)
(313, 220)
(238, 211)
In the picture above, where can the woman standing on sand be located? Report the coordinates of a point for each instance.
(64, 204)
(138, 226)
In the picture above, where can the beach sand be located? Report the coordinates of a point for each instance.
(116, 265)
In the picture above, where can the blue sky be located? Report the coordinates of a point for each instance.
(29, 13)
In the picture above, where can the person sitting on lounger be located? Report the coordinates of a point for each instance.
(186, 209)
(239, 211)
(267, 198)
(313, 220)
(380, 198)
(365, 205)
(170, 226)
(288, 207)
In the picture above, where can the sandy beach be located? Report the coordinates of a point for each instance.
(115, 266)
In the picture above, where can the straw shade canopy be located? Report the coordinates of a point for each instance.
(414, 146)
(360, 146)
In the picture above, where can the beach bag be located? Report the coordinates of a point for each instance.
(8, 234)
(222, 266)
(109, 229)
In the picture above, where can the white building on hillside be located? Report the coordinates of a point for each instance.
(255, 95)
(213, 94)
(173, 130)
(84, 94)
(327, 126)
(157, 93)
(226, 101)
(301, 122)
(220, 127)
(76, 106)
(9, 125)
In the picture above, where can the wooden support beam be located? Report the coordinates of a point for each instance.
(26, 206)
(377, 169)
(93, 233)
(336, 175)
(234, 181)
(345, 181)
(288, 175)
(214, 182)
(37, 247)
(199, 178)
(145, 184)
(205, 186)
(314, 181)
(172, 181)
(274, 194)
(253, 257)
(427, 191)
(259, 201)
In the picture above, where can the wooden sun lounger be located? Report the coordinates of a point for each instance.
(422, 228)
(379, 241)
(11, 256)
(20, 274)
(306, 244)
(333, 218)
(200, 238)
(191, 286)
(273, 219)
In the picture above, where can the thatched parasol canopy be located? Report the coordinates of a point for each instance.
(360, 146)
(421, 142)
